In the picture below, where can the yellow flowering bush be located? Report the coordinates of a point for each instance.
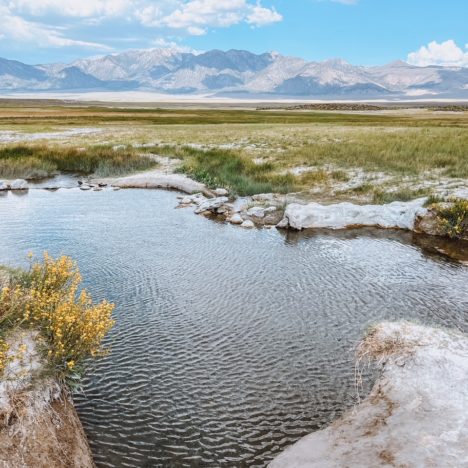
(3, 355)
(47, 298)
(454, 218)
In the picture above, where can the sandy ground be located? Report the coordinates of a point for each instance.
(146, 96)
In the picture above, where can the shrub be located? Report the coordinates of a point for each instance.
(47, 298)
(453, 218)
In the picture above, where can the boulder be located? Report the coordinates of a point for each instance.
(248, 224)
(220, 192)
(19, 184)
(400, 215)
(212, 204)
(256, 212)
(3, 186)
(236, 218)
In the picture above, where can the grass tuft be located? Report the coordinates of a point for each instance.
(35, 162)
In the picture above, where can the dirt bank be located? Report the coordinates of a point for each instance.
(39, 426)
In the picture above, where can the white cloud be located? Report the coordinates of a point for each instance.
(35, 21)
(260, 16)
(196, 16)
(446, 54)
(16, 28)
(73, 8)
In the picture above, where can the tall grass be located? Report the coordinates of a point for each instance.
(33, 162)
(230, 169)
(409, 151)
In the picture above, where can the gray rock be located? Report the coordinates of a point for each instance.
(220, 192)
(248, 224)
(3, 185)
(19, 184)
(236, 218)
(212, 204)
(256, 212)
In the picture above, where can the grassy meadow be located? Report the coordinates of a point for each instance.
(248, 151)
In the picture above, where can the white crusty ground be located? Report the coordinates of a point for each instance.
(415, 416)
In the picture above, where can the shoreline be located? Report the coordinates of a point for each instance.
(282, 211)
(407, 419)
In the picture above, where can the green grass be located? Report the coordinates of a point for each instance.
(229, 169)
(34, 162)
(408, 151)
(381, 197)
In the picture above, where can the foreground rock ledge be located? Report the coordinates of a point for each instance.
(416, 414)
(39, 427)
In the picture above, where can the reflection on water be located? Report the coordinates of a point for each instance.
(229, 344)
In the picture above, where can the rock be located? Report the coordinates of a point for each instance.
(19, 184)
(415, 415)
(222, 209)
(256, 212)
(248, 224)
(97, 189)
(186, 201)
(212, 204)
(428, 223)
(80, 182)
(270, 209)
(85, 187)
(102, 184)
(115, 189)
(220, 192)
(157, 179)
(236, 218)
(400, 215)
(3, 186)
(273, 218)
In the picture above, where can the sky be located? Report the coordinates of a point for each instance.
(363, 32)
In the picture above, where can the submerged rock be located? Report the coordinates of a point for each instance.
(415, 415)
(400, 215)
(19, 184)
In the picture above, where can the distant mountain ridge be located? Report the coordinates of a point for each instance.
(235, 72)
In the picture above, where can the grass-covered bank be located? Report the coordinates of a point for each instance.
(39, 161)
(365, 157)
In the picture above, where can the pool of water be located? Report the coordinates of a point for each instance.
(229, 344)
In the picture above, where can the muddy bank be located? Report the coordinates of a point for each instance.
(39, 426)
(415, 413)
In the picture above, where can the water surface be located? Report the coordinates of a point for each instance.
(229, 344)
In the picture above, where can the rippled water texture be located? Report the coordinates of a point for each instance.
(229, 344)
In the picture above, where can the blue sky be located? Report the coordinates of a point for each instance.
(362, 32)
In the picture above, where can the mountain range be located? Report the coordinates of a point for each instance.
(235, 73)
